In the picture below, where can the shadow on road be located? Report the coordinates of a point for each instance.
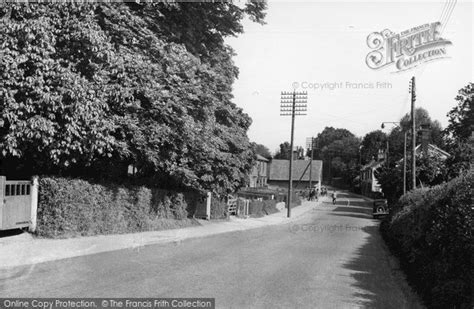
(377, 284)
(352, 215)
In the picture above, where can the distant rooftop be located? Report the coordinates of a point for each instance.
(279, 169)
(260, 158)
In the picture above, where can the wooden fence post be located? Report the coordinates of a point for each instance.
(208, 205)
(3, 179)
(34, 203)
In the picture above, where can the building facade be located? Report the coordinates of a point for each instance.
(259, 174)
(278, 174)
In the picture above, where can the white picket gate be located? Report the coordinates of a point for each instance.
(18, 203)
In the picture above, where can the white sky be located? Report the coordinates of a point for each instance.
(320, 42)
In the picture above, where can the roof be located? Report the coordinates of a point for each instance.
(372, 164)
(433, 149)
(278, 169)
(260, 158)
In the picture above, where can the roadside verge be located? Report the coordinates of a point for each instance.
(23, 249)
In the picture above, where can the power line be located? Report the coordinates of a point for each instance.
(443, 12)
(449, 16)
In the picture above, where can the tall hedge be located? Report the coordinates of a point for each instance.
(73, 207)
(432, 233)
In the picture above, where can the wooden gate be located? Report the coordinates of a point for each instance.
(18, 203)
(238, 207)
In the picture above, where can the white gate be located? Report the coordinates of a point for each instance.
(18, 203)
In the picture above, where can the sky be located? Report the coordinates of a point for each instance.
(321, 47)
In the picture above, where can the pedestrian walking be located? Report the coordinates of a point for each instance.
(334, 197)
(312, 193)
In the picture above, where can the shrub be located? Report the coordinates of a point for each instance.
(295, 200)
(256, 208)
(269, 207)
(219, 208)
(179, 206)
(70, 207)
(431, 232)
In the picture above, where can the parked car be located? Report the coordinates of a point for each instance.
(380, 206)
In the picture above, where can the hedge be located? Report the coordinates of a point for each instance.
(431, 232)
(75, 207)
(219, 208)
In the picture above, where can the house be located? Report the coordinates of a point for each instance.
(432, 150)
(258, 175)
(278, 173)
(369, 184)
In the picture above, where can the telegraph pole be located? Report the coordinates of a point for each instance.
(398, 125)
(405, 164)
(292, 104)
(310, 143)
(413, 132)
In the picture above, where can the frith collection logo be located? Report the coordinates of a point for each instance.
(407, 49)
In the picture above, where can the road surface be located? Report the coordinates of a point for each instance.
(333, 257)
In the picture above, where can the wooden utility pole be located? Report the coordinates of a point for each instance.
(290, 172)
(311, 164)
(405, 164)
(413, 133)
(292, 104)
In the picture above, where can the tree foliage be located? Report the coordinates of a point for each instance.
(422, 117)
(371, 144)
(339, 150)
(430, 171)
(262, 150)
(284, 152)
(91, 88)
(461, 117)
(459, 130)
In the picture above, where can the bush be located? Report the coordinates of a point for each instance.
(219, 209)
(71, 207)
(269, 207)
(431, 232)
(295, 200)
(256, 208)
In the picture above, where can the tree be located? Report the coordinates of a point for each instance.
(262, 150)
(371, 144)
(390, 178)
(327, 136)
(430, 171)
(422, 117)
(284, 152)
(339, 150)
(459, 130)
(89, 88)
(461, 117)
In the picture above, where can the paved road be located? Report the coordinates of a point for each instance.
(331, 258)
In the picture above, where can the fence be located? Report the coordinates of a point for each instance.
(238, 207)
(18, 203)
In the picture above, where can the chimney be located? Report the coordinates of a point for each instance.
(425, 137)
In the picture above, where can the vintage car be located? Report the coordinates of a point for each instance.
(380, 206)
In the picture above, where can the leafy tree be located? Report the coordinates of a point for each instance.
(87, 89)
(422, 117)
(371, 143)
(430, 171)
(340, 156)
(461, 117)
(262, 150)
(397, 135)
(284, 152)
(329, 135)
(390, 178)
(459, 130)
